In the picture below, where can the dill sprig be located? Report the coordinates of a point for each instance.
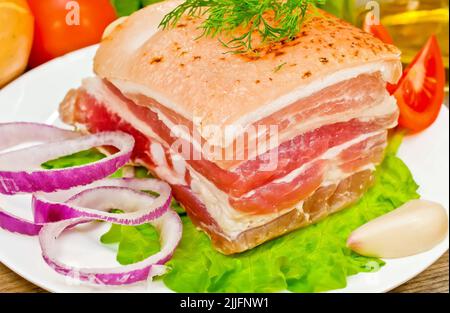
(224, 17)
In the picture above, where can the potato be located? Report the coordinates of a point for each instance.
(16, 38)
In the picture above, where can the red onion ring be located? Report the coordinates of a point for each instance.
(18, 225)
(169, 226)
(27, 176)
(59, 202)
(89, 202)
(13, 134)
(72, 203)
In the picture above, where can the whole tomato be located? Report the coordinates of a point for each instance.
(62, 26)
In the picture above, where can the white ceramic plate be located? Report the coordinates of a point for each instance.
(35, 97)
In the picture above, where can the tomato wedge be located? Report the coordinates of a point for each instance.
(420, 92)
(378, 30)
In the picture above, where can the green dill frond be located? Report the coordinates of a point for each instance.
(224, 17)
(279, 67)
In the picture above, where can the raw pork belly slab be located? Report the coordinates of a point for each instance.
(328, 104)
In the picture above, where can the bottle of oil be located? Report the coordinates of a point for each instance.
(412, 22)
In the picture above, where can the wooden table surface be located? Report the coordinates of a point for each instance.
(433, 279)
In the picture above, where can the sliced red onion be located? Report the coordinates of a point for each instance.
(13, 134)
(169, 227)
(21, 172)
(94, 200)
(60, 200)
(18, 225)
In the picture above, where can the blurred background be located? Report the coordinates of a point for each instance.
(35, 31)
(410, 22)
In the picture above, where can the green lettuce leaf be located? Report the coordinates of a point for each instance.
(135, 243)
(76, 159)
(127, 7)
(312, 259)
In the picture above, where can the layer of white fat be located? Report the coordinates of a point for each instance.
(329, 154)
(231, 221)
(179, 131)
(234, 222)
(217, 138)
(95, 87)
(385, 107)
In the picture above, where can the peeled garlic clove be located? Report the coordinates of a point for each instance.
(111, 27)
(415, 227)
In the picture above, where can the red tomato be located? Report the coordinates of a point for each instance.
(420, 92)
(378, 30)
(62, 26)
